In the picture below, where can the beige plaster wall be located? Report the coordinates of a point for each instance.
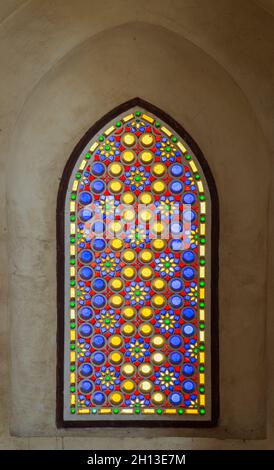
(68, 64)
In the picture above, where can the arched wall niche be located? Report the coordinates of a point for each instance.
(77, 92)
(185, 159)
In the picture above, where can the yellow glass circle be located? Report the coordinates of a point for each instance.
(128, 370)
(157, 341)
(116, 357)
(129, 256)
(146, 198)
(128, 156)
(146, 256)
(128, 272)
(145, 215)
(128, 198)
(129, 215)
(128, 329)
(128, 386)
(116, 398)
(116, 284)
(158, 398)
(146, 312)
(116, 244)
(145, 386)
(146, 272)
(115, 186)
(158, 300)
(128, 313)
(116, 300)
(145, 370)
(147, 140)
(158, 244)
(158, 186)
(115, 341)
(157, 358)
(158, 227)
(115, 226)
(158, 284)
(158, 169)
(129, 139)
(146, 329)
(146, 156)
(115, 169)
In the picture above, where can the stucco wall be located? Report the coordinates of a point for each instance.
(70, 75)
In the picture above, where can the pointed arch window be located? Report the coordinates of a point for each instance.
(137, 276)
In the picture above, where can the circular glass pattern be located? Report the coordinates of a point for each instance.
(85, 198)
(85, 386)
(98, 169)
(98, 358)
(176, 170)
(98, 398)
(98, 341)
(85, 313)
(85, 330)
(99, 244)
(134, 305)
(86, 370)
(99, 285)
(97, 186)
(175, 341)
(85, 215)
(86, 273)
(128, 370)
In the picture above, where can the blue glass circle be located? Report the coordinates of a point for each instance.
(99, 301)
(85, 313)
(98, 398)
(98, 169)
(188, 329)
(85, 330)
(99, 244)
(85, 198)
(176, 284)
(86, 386)
(188, 256)
(189, 216)
(85, 214)
(176, 301)
(99, 284)
(175, 357)
(188, 386)
(98, 341)
(189, 198)
(188, 370)
(188, 273)
(86, 370)
(86, 256)
(175, 398)
(175, 341)
(176, 170)
(188, 313)
(98, 227)
(176, 245)
(97, 186)
(176, 228)
(98, 358)
(86, 273)
(176, 187)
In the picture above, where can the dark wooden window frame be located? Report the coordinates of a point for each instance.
(60, 422)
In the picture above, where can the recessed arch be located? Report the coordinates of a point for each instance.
(110, 301)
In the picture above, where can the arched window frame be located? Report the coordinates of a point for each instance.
(213, 351)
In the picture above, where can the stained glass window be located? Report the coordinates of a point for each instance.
(137, 222)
